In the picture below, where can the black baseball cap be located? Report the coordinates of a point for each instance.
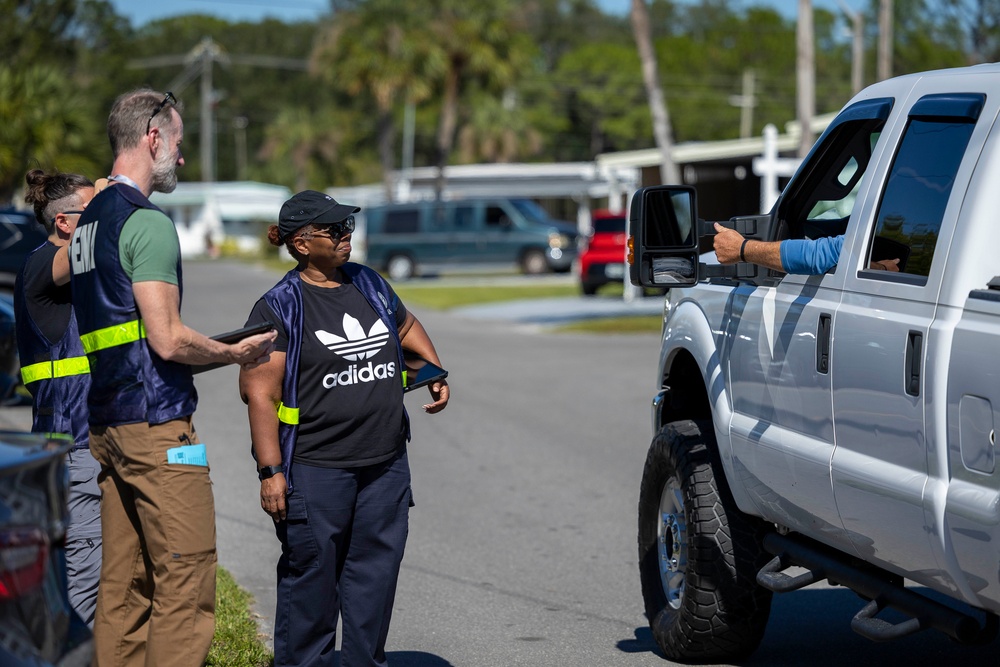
(310, 206)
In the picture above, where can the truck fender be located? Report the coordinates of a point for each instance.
(689, 342)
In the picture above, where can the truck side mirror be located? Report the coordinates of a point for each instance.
(663, 237)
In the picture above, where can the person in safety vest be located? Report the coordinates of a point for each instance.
(55, 371)
(156, 601)
(329, 435)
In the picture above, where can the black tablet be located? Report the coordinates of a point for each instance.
(420, 372)
(231, 337)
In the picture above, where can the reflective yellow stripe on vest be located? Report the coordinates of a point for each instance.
(288, 415)
(60, 368)
(118, 334)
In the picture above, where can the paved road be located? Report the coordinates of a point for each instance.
(522, 543)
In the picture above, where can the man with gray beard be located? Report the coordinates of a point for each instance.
(156, 600)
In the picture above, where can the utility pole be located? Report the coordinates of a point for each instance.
(746, 102)
(857, 46)
(885, 21)
(207, 52)
(199, 62)
(805, 76)
(240, 126)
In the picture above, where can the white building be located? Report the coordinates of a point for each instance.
(208, 215)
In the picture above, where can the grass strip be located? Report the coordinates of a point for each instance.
(236, 642)
(445, 298)
(631, 324)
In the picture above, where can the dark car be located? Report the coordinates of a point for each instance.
(476, 233)
(20, 233)
(37, 625)
(603, 260)
(10, 368)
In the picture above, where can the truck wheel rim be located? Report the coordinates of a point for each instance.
(672, 542)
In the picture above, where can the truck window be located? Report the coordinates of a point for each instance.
(820, 198)
(496, 218)
(840, 209)
(824, 207)
(920, 181)
(465, 218)
(402, 221)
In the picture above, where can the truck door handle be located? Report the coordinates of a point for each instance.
(914, 345)
(823, 344)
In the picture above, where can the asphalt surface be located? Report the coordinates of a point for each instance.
(522, 542)
(550, 312)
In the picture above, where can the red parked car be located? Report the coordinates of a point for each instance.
(603, 260)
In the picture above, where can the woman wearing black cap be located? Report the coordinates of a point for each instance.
(329, 435)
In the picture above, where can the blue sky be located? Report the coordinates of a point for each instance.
(142, 11)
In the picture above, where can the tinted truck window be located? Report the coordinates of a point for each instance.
(403, 221)
(920, 181)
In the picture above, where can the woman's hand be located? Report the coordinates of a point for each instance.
(272, 496)
(440, 393)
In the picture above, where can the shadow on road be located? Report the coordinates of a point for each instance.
(812, 627)
(642, 643)
(415, 659)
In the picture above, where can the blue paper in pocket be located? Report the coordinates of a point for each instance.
(192, 455)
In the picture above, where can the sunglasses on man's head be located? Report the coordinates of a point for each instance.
(335, 230)
(168, 97)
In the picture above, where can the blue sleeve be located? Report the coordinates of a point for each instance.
(811, 256)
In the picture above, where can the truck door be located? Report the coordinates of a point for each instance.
(971, 530)
(782, 428)
(501, 236)
(884, 335)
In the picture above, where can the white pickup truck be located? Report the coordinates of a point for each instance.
(840, 426)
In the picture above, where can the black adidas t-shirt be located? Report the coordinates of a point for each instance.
(350, 402)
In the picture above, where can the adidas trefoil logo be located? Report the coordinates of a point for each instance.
(358, 345)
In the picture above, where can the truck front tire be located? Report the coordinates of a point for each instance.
(698, 554)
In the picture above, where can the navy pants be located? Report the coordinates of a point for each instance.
(341, 546)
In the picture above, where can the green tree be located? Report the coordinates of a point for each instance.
(308, 149)
(560, 26)
(49, 114)
(497, 130)
(39, 127)
(376, 49)
(36, 32)
(926, 37)
(604, 86)
(975, 22)
(472, 42)
(260, 72)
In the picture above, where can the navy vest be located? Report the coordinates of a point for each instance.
(285, 299)
(56, 373)
(129, 382)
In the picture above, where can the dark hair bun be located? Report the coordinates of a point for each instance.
(272, 236)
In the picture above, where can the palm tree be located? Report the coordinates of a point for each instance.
(39, 128)
(375, 49)
(657, 103)
(470, 40)
(497, 131)
(302, 147)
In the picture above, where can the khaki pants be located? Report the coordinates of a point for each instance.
(156, 601)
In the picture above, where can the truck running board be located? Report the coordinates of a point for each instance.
(883, 590)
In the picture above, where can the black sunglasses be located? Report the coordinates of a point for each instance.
(168, 98)
(336, 229)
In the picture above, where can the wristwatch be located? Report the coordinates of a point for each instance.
(267, 472)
